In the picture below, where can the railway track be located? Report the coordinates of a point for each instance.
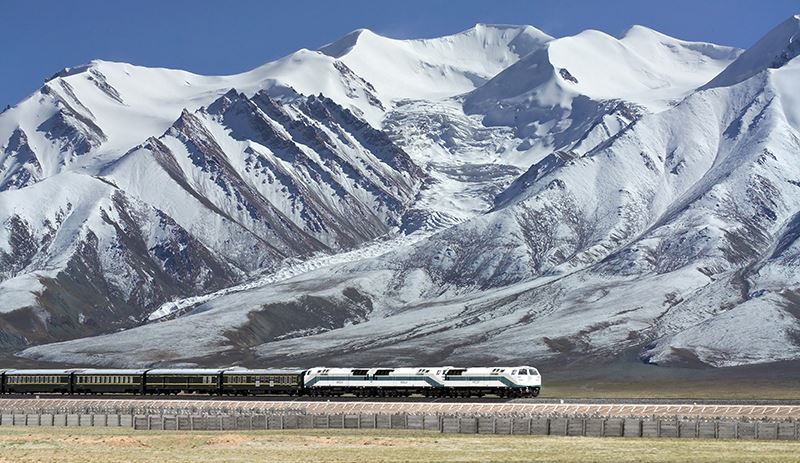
(413, 399)
(179, 404)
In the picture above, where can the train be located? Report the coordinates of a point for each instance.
(442, 381)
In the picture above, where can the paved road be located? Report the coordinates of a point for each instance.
(192, 405)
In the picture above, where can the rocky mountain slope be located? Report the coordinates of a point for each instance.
(520, 198)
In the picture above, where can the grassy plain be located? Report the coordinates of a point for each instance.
(67, 445)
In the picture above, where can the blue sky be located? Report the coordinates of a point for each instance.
(40, 37)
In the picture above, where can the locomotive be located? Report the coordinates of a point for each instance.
(442, 381)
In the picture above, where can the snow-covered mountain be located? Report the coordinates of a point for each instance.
(494, 195)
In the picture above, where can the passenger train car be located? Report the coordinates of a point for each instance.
(448, 381)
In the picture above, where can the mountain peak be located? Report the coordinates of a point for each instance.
(638, 30)
(343, 46)
(773, 51)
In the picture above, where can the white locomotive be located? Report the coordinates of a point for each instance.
(447, 381)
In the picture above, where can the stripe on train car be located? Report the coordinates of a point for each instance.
(502, 379)
(427, 379)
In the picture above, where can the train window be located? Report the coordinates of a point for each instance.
(360, 372)
(514, 372)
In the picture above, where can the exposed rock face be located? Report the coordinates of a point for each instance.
(232, 188)
(19, 166)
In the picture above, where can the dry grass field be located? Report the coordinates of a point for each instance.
(700, 390)
(102, 445)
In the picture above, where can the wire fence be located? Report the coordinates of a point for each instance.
(552, 425)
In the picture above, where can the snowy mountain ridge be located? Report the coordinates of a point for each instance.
(492, 195)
